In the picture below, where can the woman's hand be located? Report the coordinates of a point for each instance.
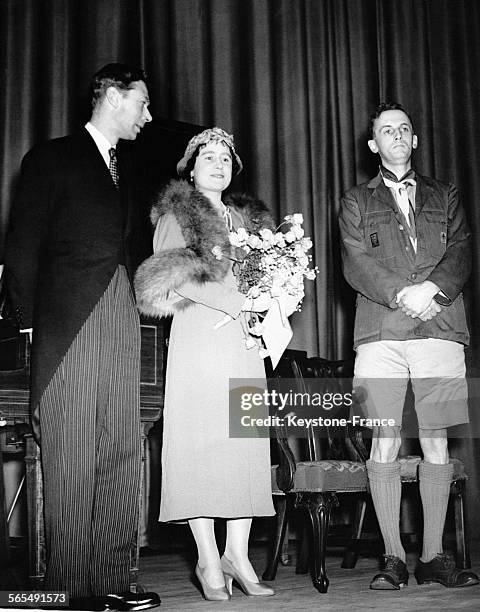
(258, 304)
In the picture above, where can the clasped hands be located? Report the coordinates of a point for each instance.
(417, 301)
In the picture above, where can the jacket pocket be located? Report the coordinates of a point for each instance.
(378, 234)
(432, 233)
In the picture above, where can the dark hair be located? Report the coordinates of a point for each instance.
(381, 108)
(120, 76)
(190, 164)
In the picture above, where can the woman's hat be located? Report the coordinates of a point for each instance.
(215, 134)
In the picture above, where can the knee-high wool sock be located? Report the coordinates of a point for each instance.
(435, 482)
(386, 490)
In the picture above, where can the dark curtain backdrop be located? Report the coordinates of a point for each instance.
(294, 80)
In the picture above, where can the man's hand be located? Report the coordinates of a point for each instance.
(431, 311)
(414, 300)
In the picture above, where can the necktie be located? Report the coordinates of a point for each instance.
(400, 193)
(113, 166)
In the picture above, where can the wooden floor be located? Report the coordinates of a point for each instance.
(170, 574)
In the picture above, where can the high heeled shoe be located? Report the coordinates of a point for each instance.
(253, 589)
(211, 593)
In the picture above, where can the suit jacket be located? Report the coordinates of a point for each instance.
(70, 228)
(378, 259)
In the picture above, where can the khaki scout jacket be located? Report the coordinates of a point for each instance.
(378, 259)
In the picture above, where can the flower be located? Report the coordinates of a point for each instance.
(267, 238)
(295, 219)
(238, 238)
(298, 231)
(270, 259)
(254, 242)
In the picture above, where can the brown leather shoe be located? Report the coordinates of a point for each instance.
(442, 569)
(394, 575)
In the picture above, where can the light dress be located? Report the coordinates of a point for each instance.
(205, 473)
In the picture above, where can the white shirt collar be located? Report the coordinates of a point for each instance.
(101, 141)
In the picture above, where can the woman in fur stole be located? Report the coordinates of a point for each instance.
(205, 473)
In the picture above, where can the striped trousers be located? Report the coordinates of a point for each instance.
(90, 428)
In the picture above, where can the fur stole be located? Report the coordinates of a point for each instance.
(202, 229)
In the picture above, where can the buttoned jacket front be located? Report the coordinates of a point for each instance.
(379, 260)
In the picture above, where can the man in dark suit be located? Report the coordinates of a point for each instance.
(70, 259)
(406, 251)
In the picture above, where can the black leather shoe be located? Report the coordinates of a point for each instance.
(442, 569)
(89, 604)
(394, 575)
(123, 602)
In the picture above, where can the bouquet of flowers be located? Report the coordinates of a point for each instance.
(275, 263)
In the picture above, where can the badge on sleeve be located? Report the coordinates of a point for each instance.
(374, 240)
(443, 237)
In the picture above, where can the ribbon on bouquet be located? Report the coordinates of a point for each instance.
(277, 332)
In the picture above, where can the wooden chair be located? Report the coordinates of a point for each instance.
(322, 469)
(330, 464)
